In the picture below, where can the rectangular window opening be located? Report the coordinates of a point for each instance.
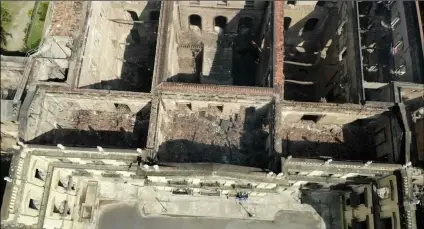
(386, 223)
(392, 190)
(314, 118)
(347, 201)
(39, 174)
(33, 204)
(362, 197)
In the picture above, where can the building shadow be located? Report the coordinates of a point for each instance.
(5, 161)
(327, 203)
(238, 141)
(379, 139)
(238, 51)
(91, 137)
(314, 60)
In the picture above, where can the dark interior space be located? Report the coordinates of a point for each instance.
(306, 72)
(238, 53)
(139, 53)
(377, 139)
(220, 21)
(195, 20)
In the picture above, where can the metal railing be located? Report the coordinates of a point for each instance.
(24, 79)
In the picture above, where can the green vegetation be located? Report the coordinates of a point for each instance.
(36, 30)
(42, 10)
(6, 18)
(29, 13)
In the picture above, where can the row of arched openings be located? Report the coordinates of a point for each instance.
(221, 22)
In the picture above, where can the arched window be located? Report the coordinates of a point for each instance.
(195, 20)
(287, 21)
(221, 22)
(245, 24)
(154, 15)
(310, 25)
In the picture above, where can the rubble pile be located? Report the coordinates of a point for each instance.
(204, 137)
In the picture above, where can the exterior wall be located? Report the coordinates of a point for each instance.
(389, 208)
(299, 15)
(224, 4)
(364, 209)
(111, 37)
(357, 211)
(208, 15)
(264, 70)
(49, 107)
(407, 31)
(93, 182)
(182, 40)
(388, 136)
(333, 114)
(343, 81)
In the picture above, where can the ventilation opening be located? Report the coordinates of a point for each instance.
(184, 106)
(182, 191)
(122, 107)
(220, 108)
(33, 204)
(310, 25)
(39, 174)
(287, 22)
(314, 118)
(154, 16)
(195, 20)
(221, 22)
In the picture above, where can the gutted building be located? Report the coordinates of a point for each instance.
(237, 114)
(228, 45)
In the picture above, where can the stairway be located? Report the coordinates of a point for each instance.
(217, 64)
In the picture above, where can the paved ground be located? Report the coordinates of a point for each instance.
(147, 207)
(125, 216)
(20, 20)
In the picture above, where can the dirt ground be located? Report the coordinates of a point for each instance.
(110, 121)
(120, 129)
(204, 137)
